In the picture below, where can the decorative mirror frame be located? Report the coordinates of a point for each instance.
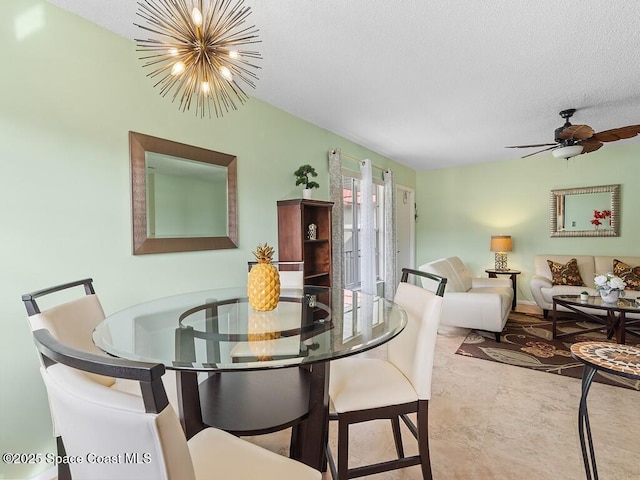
(139, 145)
(614, 231)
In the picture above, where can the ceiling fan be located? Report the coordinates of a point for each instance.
(572, 140)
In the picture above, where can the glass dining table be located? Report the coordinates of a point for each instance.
(250, 372)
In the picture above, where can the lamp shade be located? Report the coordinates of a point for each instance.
(567, 152)
(501, 243)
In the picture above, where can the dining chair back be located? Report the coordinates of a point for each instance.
(291, 273)
(72, 322)
(113, 434)
(364, 389)
(412, 351)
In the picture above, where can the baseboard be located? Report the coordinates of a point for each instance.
(50, 474)
(526, 302)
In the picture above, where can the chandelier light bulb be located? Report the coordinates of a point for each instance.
(204, 88)
(226, 73)
(177, 68)
(196, 16)
(173, 51)
(234, 54)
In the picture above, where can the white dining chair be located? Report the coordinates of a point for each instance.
(291, 274)
(363, 389)
(118, 435)
(72, 323)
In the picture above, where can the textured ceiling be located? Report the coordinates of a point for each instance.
(438, 83)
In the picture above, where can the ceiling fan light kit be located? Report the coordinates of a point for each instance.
(197, 51)
(571, 140)
(568, 151)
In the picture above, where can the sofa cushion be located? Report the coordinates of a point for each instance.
(586, 264)
(463, 275)
(443, 268)
(565, 273)
(604, 263)
(630, 275)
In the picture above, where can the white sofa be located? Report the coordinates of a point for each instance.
(471, 302)
(542, 287)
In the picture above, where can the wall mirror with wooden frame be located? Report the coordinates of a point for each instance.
(183, 197)
(585, 212)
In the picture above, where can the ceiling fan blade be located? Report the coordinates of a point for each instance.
(531, 146)
(577, 132)
(590, 145)
(540, 151)
(617, 133)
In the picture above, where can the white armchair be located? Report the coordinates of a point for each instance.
(471, 302)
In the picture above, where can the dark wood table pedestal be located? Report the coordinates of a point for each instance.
(246, 403)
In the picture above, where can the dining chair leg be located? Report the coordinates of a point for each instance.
(423, 439)
(343, 449)
(397, 436)
(64, 472)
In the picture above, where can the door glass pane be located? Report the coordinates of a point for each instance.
(352, 202)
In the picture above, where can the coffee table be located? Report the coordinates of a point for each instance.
(614, 317)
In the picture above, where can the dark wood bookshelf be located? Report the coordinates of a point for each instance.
(294, 244)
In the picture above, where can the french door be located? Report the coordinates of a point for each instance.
(352, 201)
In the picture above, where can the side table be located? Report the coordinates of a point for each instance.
(512, 274)
(623, 360)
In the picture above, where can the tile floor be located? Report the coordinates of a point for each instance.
(492, 421)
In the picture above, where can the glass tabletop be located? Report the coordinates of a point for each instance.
(626, 304)
(218, 330)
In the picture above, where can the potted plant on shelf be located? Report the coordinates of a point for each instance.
(302, 178)
(584, 296)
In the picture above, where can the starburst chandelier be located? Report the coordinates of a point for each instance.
(198, 54)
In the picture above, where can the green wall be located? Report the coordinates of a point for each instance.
(460, 208)
(71, 92)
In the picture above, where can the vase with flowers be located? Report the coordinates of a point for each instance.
(610, 287)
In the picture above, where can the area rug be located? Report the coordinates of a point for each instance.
(526, 341)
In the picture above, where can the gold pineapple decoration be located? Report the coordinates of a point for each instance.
(263, 288)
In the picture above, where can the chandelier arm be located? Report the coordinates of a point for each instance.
(162, 16)
(222, 33)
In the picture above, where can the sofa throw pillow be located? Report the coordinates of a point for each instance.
(630, 275)
(565, 273)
